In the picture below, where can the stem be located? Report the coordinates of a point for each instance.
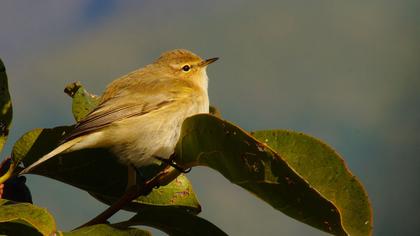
(9, 173)
(162, 178)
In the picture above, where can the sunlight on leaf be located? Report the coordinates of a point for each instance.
(5, 106)
(25, 219)
(243, 160)
(325, 171)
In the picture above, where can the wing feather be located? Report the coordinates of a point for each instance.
(144, 95)
(105, 116)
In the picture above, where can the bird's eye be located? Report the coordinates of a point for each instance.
(186, 68)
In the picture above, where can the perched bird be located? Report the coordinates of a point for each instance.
(139, 116)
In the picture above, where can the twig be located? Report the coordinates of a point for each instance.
(162, 178)
(9, 172)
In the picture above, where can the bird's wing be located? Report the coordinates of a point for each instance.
(130, 101)
(106, 115)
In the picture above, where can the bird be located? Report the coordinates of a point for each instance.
(139, 116)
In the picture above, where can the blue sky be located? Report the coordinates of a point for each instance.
(346, 72)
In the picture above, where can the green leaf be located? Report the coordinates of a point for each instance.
(37, 142)
(325, 171)
(25, 219)
(209, 141)
(105, 229)
(83, 101)
(178, 193)
(174, 222)
(97, 171)
(5, 106)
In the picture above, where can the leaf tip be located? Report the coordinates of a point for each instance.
(72, 88)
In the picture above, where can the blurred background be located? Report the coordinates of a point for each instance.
(345, 72)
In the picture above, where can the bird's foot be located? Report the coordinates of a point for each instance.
(172, 163)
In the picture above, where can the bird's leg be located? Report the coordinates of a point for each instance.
(139, 173)
(171, 162)
(131, 176)
(132, 179)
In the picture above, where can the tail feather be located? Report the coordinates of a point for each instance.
(63, 147)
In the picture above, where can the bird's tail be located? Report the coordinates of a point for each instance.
(63, 147)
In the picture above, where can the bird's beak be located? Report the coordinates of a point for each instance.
(207, 62)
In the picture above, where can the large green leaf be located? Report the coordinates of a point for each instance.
(178, 193)
(175, 222)
(25, 219)
(325, 171)
(105, 229)
(28, 219)
(37, 142)
(97, 171)
(209, 141)
(5, 106)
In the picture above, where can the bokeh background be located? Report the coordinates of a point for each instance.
(347, 72)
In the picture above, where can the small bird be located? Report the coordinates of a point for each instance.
(139, 116)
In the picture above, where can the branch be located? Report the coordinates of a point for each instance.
(162, 178)
(11, 165)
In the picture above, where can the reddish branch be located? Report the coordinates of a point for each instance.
(162, 178)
